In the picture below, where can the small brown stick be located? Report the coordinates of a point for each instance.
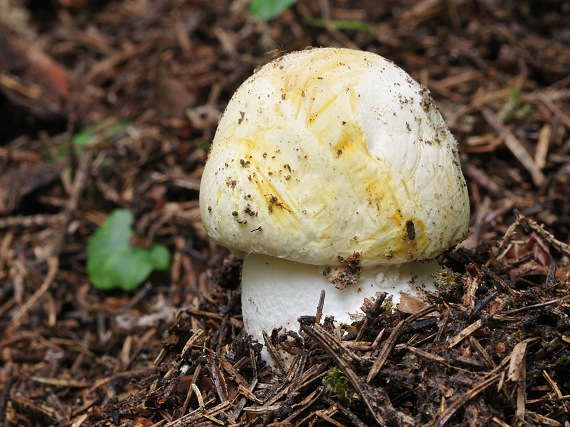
(19, 155)
(550, 239)
(372, 396)
(31, 221)
(504, 243)
(190, 390)
(194, 416)
(323, 414)
(517, 374)
(262, 409)
(319, 313)
(378, 338)
(392, 339)
(514, 145)
(446, 415)
(23, 404)
(71, 205)
(539, 305)
(253, 361)
(310, 375)
(554, 386)
(53, 268)
(362, 329)
(62, 382)
(274, 354)
(443, 324)
(198, 393)
(529, 225)
(324, 337)
(346, 411)
(427, 355)
(500, 422)
(143, 372)
(480, 177)
(304, 404)
(482, 352)
(192, 341)
(218, 380)
(468, 331)
(296, 367)
(246, 392)
(559, 112)
(544, 139)
(4, 396)
(498, 281)
(386, 350)
(233, 373)
(215, 316)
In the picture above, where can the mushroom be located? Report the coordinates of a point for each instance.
(331, 169)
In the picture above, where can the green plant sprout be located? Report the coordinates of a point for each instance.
(514, 108)
(113, 263)
(104, 130)
(446, 278)
(336, 385)
(269, 9)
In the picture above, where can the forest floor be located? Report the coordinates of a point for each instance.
(114, 104)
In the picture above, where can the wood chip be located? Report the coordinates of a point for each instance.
(465, 333)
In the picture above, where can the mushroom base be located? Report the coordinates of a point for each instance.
(275, 292)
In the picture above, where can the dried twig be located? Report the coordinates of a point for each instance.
(452, 342)
(515, 146)
(274, 354)
(550, 239)
(454, 406)
(31, 221)
(376, 399)
(540, 305)
(517, 374)
(53, 268)
(81, 175)
(393, 338)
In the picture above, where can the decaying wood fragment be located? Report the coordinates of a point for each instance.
(452, 342)
(517, 374)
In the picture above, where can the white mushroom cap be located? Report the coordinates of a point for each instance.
(329, 152)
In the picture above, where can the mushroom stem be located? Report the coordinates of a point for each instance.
(275, 292)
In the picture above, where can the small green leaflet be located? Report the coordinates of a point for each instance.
(112, 263)
(269, 9)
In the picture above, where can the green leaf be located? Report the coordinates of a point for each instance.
(269, 9)
(106, 130)
(336, 385)
(514, 107)
(112, 263)
(160, 257)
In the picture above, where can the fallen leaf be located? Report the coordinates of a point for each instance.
(411, 304)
